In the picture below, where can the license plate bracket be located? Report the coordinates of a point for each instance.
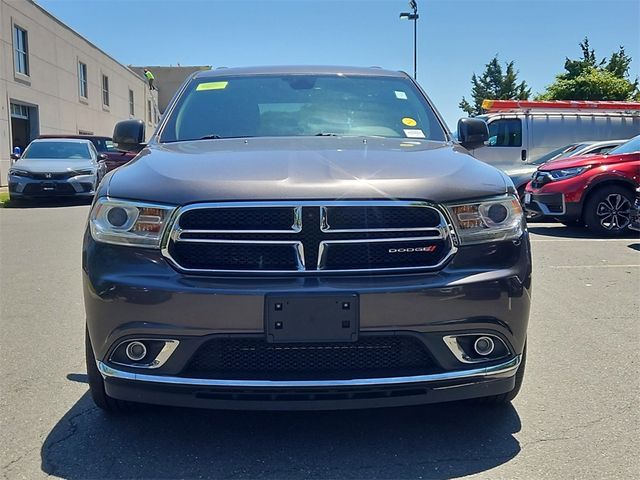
(312, 318)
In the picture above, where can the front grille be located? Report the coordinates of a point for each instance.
(236, 256)
(404, 254)
(52, 176)
(540, 179)
(311, 236)
(380, 217)
(241, 219)
(256, 359)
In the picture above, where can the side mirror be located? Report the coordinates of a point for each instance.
(102, 157)
(14, 156)
(472, 132)
(129, 135)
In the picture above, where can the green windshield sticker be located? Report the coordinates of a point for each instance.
(212, 86)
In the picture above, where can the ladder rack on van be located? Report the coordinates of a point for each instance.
(522, 106)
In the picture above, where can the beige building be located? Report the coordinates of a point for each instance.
(53, 80)
(168, 79)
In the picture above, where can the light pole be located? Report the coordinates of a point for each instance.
(413, 4)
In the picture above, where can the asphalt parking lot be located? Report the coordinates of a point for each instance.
(576, 417)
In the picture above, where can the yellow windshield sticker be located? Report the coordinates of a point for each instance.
(409, 122)
(212, 86)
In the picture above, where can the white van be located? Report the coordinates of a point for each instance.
(522, 131)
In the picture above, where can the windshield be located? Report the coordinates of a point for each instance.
(573, 150)
(104, 145)
(301, 105)
(58, 150)
(553, 154)
(631, 146)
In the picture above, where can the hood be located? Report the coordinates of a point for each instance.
(305, 168)
(584, 160)
(45, 165)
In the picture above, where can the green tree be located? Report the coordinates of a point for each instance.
(495, 83)
(588, 79)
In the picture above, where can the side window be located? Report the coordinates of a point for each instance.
(602, 150)
(506, 132)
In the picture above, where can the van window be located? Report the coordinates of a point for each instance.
(506, 132)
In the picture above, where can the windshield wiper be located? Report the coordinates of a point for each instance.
(327, 134)
(216, 137)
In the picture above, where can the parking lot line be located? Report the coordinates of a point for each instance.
(593, 266)
(540, 240)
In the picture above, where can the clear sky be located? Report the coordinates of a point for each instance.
(455, 37)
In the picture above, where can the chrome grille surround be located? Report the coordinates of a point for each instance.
(443, 232)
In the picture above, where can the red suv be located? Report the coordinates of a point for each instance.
(597, 190)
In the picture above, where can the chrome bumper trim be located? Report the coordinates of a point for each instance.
(504, 369)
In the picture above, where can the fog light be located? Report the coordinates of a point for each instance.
(483, 346)
(136, 351)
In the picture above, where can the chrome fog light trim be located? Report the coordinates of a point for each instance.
(160, 359)
(452, 342)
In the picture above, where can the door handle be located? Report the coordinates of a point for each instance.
(523, 155)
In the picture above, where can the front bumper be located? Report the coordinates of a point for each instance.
(310, 395)
(134, 293)
(552, 202)
(23, 187)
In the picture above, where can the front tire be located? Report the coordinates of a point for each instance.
(608, 211)
(96, 385)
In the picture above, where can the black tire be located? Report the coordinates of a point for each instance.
(96, 385)
(509, 396)
(608, 210)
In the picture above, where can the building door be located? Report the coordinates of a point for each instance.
(24, 125)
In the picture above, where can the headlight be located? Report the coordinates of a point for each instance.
(565, 173)
(86, 171)
(19, 173)
(490, 220)
(122, 222)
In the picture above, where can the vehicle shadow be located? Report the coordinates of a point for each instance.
(47, 203)
(562, 231)
(438, 441)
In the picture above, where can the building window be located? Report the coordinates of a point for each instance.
(150, 117)
(82, 79)
(132, 110)
(105, 90)
(19, 111)
(21, 50)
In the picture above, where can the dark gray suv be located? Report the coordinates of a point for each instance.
(304, 238)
